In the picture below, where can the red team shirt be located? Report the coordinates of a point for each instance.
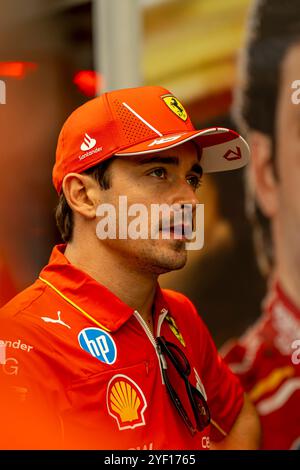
(267, 361)
(80, 368)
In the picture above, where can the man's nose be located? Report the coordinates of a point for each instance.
(184, 193)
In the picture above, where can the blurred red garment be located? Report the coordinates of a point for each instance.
(267, 361)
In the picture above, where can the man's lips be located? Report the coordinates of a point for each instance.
(183, 231)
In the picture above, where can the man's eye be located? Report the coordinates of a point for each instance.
(194, 181)
(158, 172)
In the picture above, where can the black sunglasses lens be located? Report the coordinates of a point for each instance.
(197, 401)
(177, 357)
(202, 410)
(177, 402)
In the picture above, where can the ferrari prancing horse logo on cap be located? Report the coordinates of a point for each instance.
(175, 106)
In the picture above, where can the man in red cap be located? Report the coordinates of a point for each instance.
(94, 354)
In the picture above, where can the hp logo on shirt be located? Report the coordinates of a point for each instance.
(99, 344)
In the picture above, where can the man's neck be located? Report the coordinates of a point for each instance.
(135, 288)
(291, 288)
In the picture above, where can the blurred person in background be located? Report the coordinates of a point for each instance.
(267, 356)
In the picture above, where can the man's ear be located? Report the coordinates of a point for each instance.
(82, 194)
(262, 172)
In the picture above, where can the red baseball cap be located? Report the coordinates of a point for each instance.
(137, 121)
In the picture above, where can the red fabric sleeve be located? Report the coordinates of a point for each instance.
(224, 391)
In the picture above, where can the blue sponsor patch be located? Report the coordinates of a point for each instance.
(99, 344)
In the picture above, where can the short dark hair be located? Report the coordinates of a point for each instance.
(63, 212)
(273, 28)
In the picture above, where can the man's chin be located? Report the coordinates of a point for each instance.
(163, 257)
(171, 261)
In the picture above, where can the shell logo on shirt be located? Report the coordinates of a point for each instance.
(126, 402)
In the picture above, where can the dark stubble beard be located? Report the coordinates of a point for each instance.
(159, 261)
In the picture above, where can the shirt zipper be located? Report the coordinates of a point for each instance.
(161, 360)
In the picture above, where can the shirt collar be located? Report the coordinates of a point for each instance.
(87, 295)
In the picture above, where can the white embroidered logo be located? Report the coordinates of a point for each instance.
(164, 140)
(88, 143)
(59, 321)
